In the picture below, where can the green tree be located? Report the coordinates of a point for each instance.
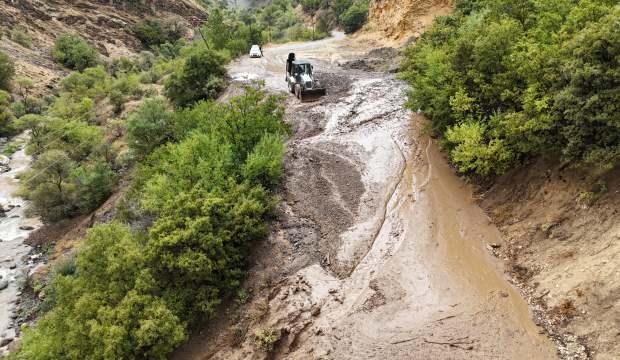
(7, 70)
(47, 185)
(149, 126)
(6, 115)
(355, 16)
(74, 52)
(200, 77)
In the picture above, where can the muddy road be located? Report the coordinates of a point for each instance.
(379, 250)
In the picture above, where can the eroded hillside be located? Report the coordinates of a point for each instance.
(400, 19)
(106, 24)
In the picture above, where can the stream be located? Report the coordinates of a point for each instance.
(14, 229)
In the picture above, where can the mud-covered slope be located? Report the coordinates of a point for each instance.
(400, 19)
(105, 23)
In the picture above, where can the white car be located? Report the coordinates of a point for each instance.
(256, 52)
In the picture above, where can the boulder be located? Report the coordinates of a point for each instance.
(4, 284)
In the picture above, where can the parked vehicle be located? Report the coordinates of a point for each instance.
(256, 52)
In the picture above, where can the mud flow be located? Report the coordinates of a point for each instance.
(379, 250)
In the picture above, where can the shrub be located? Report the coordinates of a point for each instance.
(107, 311)
(355, 16)
(47, 185)
(74, 52)
(6, 115)
(92, 83)
(7, 70)
(200, 77)
(153, 32)
(265, 339)
(149, 126)
(124, 88)
(20, 36)
(94, 182)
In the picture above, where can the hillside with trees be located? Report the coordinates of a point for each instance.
(502, 82)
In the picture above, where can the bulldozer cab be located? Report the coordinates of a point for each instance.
(302, 67)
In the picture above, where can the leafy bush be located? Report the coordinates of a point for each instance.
(107, 311)
(47, 185)
(93, 83)
(74, 52)
(503, 82)
(149, 126)
(265, 339)
(20, 36)
(124, 88)
(200, 77)
(154, 31)
(355, 16)
(7, 70)
(6, 115)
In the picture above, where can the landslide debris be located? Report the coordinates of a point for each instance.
(402, 19)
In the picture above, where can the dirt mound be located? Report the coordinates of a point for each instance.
(384, 59)
(401, 19)
(104, 23)
(562, 230)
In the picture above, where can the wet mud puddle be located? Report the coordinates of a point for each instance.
(14, 229)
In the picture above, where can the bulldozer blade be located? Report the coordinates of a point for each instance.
(312, 95)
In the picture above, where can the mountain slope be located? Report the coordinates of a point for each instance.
(106, 24)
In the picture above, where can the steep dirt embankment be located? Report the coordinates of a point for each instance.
(104, 23)
(401, 19)
(563, 235)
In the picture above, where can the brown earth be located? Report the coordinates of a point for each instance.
(563, 244)
(402, 19)
(106, 24)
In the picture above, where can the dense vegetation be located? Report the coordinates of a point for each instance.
(132, 294)
(504, 80)
(202, 175)
(349, 14)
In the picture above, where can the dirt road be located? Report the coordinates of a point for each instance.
(379, 249)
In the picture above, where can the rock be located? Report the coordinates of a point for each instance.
(26, 228)
(3, 284)
(4, 342)
(503, 294)
(13, 266)
(495, 245)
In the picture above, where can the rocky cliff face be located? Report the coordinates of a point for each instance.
(105, 23)
(401, 19)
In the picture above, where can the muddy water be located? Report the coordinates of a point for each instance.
(398, 266)
(12, 248)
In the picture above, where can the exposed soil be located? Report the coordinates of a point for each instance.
(563, 231)
(379, 250)
(405, 19)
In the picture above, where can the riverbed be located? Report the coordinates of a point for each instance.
(14, 229)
